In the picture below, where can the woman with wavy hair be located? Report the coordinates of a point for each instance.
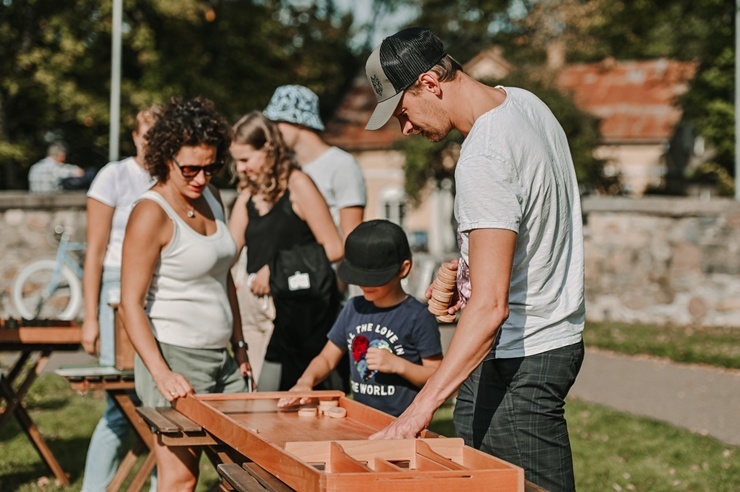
(279, 207)
(178, 302)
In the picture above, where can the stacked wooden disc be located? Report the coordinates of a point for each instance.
(443, 289)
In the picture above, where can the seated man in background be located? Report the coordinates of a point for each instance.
(47, 174)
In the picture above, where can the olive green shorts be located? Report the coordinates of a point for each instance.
(207, 370)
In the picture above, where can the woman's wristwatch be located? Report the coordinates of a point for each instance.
(240, 344)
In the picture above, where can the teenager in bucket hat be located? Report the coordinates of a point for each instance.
(392, 340)
(295, 108)
(518, 345)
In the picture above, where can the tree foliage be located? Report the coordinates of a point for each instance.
(55, 62)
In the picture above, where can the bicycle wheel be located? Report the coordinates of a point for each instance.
(34, 302)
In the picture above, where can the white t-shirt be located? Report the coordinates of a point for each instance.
(118, 185)
(339, 178)
(515, 172)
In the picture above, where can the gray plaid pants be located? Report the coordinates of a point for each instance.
(514, 409)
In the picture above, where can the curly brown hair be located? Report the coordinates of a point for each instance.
(185, 123)
(255, 130)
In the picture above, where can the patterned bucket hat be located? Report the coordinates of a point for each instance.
(295, 104)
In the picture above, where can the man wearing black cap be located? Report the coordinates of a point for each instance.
(518, 347)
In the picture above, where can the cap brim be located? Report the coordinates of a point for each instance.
(383, 112)
(356, 276)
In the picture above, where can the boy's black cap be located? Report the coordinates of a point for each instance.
(373, 253)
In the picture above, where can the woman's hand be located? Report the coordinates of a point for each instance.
(91, 336)
(242, 359)
(173, 385)
(261, 284)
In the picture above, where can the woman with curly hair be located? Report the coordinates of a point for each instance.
(178, 302)
(279, 207)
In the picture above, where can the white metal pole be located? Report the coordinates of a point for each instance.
(115, 82)
(737, 100)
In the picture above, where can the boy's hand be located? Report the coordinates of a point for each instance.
(289, 401)
(382, 360)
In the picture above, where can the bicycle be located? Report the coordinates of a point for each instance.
(51, 289)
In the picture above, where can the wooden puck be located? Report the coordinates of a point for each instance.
(443, 285)
(437, 312)
(328, 404)
(437, 303)
(443, 297)
(447, 318)
(307, 412)
(336, 412)
(446, 274)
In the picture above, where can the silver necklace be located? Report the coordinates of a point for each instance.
(191, 212)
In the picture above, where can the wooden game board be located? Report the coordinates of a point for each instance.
(320, 453)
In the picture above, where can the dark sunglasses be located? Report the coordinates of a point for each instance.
(190, 172)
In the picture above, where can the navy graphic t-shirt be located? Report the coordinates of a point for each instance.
(408, 330)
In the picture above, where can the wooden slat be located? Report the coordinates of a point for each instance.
(155, 419)
(46, 335)
(381, 465)
(185, 424)
(423, 449)
(268, 481)
(341, 462)
(239, 478)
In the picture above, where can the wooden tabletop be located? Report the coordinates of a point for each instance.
(15, 334)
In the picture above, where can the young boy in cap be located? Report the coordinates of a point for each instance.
(392, 339)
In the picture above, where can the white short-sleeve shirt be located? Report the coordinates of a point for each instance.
(515, 172)
(119, 184)
(339, 179)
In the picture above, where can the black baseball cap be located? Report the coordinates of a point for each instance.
(396, 64)
(373, 253)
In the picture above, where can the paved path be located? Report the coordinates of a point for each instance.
(699, 398)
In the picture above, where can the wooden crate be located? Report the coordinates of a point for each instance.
(323, 454)
(123, 348)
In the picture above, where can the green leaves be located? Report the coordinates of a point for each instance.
(55, 66)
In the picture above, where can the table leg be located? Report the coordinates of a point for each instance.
(10, 380)
(29, 427)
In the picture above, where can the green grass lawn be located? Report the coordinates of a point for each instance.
(612, 451)
(714, 346)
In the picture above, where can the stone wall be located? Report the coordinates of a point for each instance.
(663, 260)
(649, 260)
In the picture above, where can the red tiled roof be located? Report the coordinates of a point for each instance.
(634, 99)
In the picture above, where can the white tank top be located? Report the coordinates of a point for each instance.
(187, 301)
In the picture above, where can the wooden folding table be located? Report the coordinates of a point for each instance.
(34, 341)
(120, 386)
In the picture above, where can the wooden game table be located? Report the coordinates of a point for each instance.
(34, 341)
(289, 450)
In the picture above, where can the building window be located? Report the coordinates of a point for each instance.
(393, 202)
